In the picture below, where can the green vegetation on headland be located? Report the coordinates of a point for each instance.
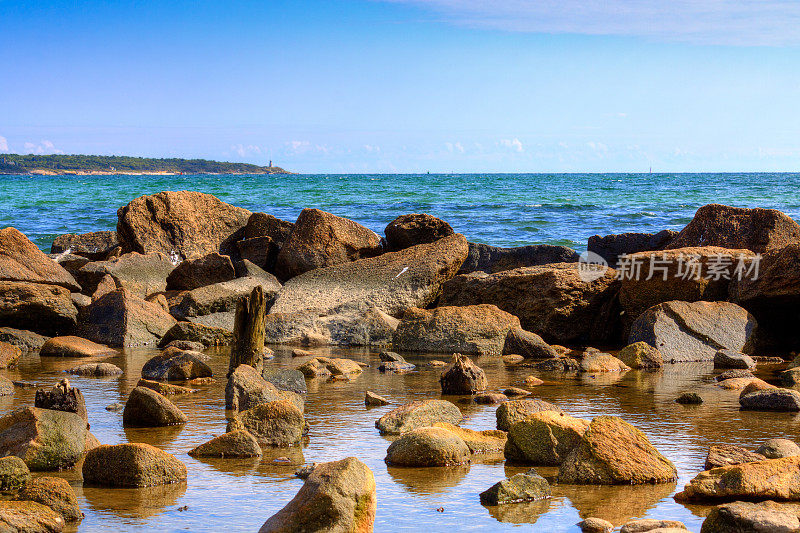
(100, 164)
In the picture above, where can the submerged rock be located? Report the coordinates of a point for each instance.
(71, 346)
(689, 398)
(131, 465)
(777, 479)
(428, 446)
(417, 414)
(463, 377)
(176, 365)
(96, 370)
(23, 517)
(762, 517)
(771, 399)
(237, 443)
(544, 438)
(778, 448)
(528, 345)
(654, 525)
(165, 389)
(527, 487)
(278, 423)
(515, 411)
(54, 492)
(729, 454)
(45, 439)
(147, 408)
(14, 473)
(372, 399)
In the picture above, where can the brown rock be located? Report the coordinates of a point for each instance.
(27, 341)
(729, 454)
(45, 309)
(239, 443)
(62, 397)
(486, 441)
(147, 408)
(55, 493)
(190, 331)
(71, 346)
(770, 479)
(44, 438)
(264, 236)
(202, 271)
(409, 230)
(165, 389)
(611, 247)
(544, 438)
(121, 319)
(528, 345)
(463, 377)
(131, 465)
(175, 364)
(428, 446)
(418, 414)
(221, 297)
(95, 245)
(9, 355)
(509, 413)
(492, 259)
(142, 274)
(21, 260)
(641, 355)
(372, 399)
(278, 423)
(29, 517)
(602, 362)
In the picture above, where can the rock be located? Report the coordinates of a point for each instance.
(142, 274)
(44, 438)
(613, 452)
(641, 355)
(80, 301)
(95, 245)
(472, 330)
(435, 363)
(55, 493)
(559, 305)
(417, 414)
(206, 270)
(14, 473)
(326, 366)
(558, 364)
(372, 327)
(696, 331)
(611, 247)
(487, 441)
(192, 346)
(372, 399)
(314, 369)
(221, 297)
(27, 341)
(337, 496)
(287, 379)
(427, 446)
(544, 438)
(319, 239)
(759, 230)
(528, 345)
(71, 263)
(778, 448)
(74, 347)
(184, 224)
(527, 487)
(396, 366)
(754, 385)
(463, 377)
(278, 423)
(131, 465)
(96, 370)
(238, 443)
(45, 309)
(730, 359)
(62, 397)
(595, 525)
(762, 517)
(297, 352)
(29, 517)
(791, 378)
(492, 259)
(512, 359)
(264, 236)
(777, 479)
(6, 386)
(121, 319)
(602, 362)
(115, 407)
(689, 398)
(734, 373)
(246, 388)
(729, 454)
(685, 274)
(533, 381)
(9, 355)
(147, 408)
(770, 400)
(514, 411)
(190, 331)
(165, 389)
(176, 365)
(515, 392)
(651, 524)
(488, 398)
(22, 261)
(409, 230)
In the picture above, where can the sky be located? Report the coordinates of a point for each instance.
(409, 85)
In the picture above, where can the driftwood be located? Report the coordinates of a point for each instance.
(248, 331)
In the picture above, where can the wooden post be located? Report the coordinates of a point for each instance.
(248, 331)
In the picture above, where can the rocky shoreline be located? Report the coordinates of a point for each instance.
(724, 290)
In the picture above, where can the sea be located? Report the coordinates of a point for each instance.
(495, 209)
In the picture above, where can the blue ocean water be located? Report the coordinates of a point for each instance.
(497, 209)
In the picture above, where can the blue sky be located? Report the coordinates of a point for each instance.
(409, 85)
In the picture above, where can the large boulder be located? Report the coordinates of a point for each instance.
(247, 388)
(729, 454)
(142, 274)
(44, 438)
(21, 260)
(121, 319)
(612, 247)
(487, 441)
(686, 274)
(613, 452)
(278, 423)
(238, 443)
(371, 327)
(96, 370)
(62, 397)
(759, 230)
(29, 517)
(264, 236)
(528, 345)
(695, 331)
(772, 399)
(221, 297)
(182, 224)
(320, 239)
(523, 487)
(770, 479)
(27, 341)
(731, 359)
(509, 413)
(131, 465)
(54, 492)
(390, 283)
(409, 230)
(147, 408)
(45, 309)
(71, 346)
(558, 302)
(491, 259)
(463, 377)
(337, 496)
(202, 271)
(596, 362)
(9, 355)
(545, 438)
(417, 414)
(428, 446)
(761, 517)
(193, 332)
(777, 448)
(174, 364)
(95, 245)
(472, 330)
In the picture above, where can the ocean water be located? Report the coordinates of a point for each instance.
(497, 209)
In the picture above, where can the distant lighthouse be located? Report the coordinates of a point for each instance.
(270, 163)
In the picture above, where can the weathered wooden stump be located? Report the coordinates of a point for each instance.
(248, 331)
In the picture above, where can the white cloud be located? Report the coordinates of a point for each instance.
(44, 147)
(726, 22)
(305, 147)
(454, 147)
(247, 150)
(512, 144)
(597, 147)
(3, 144)
(372, 148)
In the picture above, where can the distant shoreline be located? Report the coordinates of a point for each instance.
(51, 172)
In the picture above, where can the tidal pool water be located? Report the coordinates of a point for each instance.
(239, 495)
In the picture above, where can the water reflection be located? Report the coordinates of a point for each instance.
(136, 503)
(428, 480)
(617, 503)
(520, 513)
